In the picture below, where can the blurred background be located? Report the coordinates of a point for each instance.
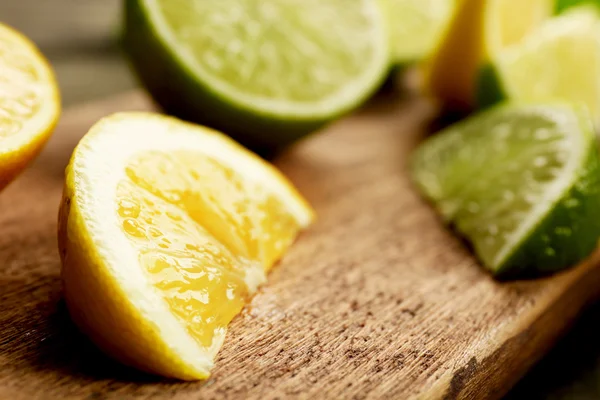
(80, 38)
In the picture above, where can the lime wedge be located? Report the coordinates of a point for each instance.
(265, 72)
(415, 26)
(561, 60)
(478, 30)
(520, 182)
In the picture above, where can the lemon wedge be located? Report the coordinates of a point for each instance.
(29, 103)
(166, 230)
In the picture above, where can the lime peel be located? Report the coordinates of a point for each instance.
(514, 180)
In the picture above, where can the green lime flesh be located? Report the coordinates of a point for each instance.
(415, 27)
(520, 182)
(265, 72)
(559, 61)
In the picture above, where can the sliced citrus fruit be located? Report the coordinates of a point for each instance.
(166, 230)
(264, 72)
(548, 65)
(520, 182)
(415, 26)
(478, 30)
(29, 103)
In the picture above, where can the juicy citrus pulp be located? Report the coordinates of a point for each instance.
(182, 225)
(263, 72)
(553, 55)
(478, 30)
(520, 182)
(29, 103)
(415, 26)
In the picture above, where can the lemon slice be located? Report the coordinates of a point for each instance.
(166, 230)
(478, 30)
(29, 103)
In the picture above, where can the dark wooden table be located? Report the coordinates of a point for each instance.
(80, 39)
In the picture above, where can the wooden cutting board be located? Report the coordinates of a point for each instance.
(377, 300)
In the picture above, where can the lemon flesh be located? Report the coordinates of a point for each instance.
(29, 103)
(192, 224)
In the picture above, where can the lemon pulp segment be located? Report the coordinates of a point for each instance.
(166, 230)
(29, 103)
(20, 85)
(203, 235)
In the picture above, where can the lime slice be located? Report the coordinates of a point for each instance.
(520, 182)
(415, 26)
(561, 60)
(265, 72)
(478, 30)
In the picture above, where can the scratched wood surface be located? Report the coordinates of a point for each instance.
(377, 300)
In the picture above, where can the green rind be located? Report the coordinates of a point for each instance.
(180, 92)
(532, 259)
(489, 89)
(563, 5)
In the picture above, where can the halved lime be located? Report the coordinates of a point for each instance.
(415, 27)
(265, 72)
(520, 182)
(561, 60)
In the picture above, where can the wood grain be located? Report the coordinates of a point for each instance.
(377, 300)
